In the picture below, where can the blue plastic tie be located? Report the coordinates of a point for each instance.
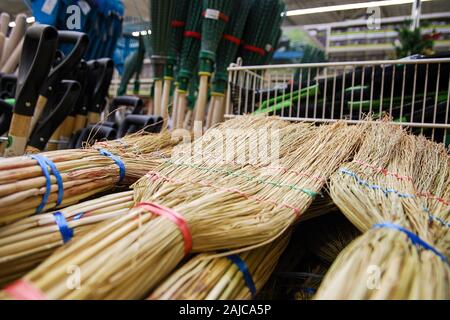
(64, 229)
(117, 160)
(415, 239)
(242, 266)
(48, 182)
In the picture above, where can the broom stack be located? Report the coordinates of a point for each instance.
(189, 57)
(191, 204)
(55, 179)
(396, 191)
(29, 241)
(161, 14)
(216, 15)
(235, 277)
(226, 54)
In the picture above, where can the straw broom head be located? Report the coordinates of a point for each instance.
(206, 277)
(216, 15)
(264, 18)
(161, 12)
(128, 257)
(191, 44)
(228, 49)
(386, 183)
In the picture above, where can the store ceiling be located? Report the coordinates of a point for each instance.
(139, 10)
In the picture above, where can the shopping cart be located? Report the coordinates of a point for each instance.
(413, 92)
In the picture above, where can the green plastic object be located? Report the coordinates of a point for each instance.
(284, 101)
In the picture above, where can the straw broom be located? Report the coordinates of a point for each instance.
(29, 241)
(364, 190)
(177, 27)
(83, 173)
(189, 56)
(206, 277)
(161, 14)
(240, 211)
(226, 54)
(215, 17)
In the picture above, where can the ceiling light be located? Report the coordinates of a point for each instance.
(12, 24)
(143, 33)
(135, 34)
(350, 6)
(31, 20)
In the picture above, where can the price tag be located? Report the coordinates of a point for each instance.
(49, 6)
(212, 14)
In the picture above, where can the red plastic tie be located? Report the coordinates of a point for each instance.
(177, 24)
(232, 39)
(192, 34)
(175, 217)
(254, 49)
(24, 290)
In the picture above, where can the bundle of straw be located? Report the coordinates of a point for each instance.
(26, 189)
(29, 241)
(161, 14)
(216, 15)
(189, 56)
(177, 27)
(216, 204)
(263, 22)
(207, 277)
(226, 54)
(396, 191)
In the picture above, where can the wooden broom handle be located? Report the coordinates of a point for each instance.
(13, 61)
(157, 98)
(165, 101)
(5, 19)
(16, 34)
(175, 109)
(209, 114)
(218, 110)
(201, 99)
(181, 113)
(2, 44)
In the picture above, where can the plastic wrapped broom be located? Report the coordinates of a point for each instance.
(226, 54)
(262, 26)
(177, 27)
(215, 17)
(189, 57)
(161, 15)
